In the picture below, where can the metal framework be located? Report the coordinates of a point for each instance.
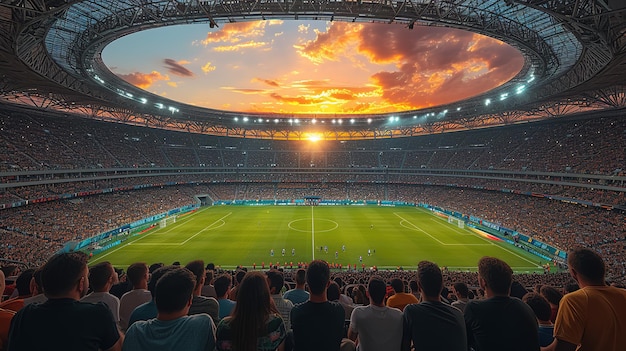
(574, 49)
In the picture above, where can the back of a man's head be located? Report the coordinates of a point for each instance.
(136, 272)
(276, 280)
(174, 290)
(197, 268)
(99, 276)
(397, 285)
(429, 278)
(156, 275)
(222, 284)
(333, 293)
(301, 277)
(62, 272)
(497, 274)
(587, 264)
(539, 305)
(377, 289)
(462, 291)
(317, 276)
(22, 283)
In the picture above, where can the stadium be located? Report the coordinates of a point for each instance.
(524, 171)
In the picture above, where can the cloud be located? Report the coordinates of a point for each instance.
(143, 80)
(237, 47)
(208, 67)
(173, 84)
(303, 28)
(236, 32)
(332, 44)
(434, 65)
(269, 82)
(176, 68)
(245, 91)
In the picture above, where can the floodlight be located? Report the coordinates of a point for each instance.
(487, 102)
(245, 119)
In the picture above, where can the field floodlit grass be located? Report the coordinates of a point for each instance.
(245, 235)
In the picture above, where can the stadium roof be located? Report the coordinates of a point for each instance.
(574, 61)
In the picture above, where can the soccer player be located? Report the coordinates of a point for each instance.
(293, 252)
(272, 252)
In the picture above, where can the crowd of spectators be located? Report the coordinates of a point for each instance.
(585, 146)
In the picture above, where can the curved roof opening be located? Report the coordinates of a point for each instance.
(313, 67)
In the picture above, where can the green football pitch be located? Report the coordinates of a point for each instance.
(385, 237)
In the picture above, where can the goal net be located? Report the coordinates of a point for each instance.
(460, 223)
(167, 221)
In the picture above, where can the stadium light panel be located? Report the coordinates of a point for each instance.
(313, 121)
(487, 102)
(236, 119)
(352, 120)
(458, 109)
(245, 119)
(369, 121)
(340, 121)
(143, 100)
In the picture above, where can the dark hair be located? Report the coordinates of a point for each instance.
(276, 280)
(588, 264)
(430, 278)
(397, 285)
(62, 272)
(317, 276)
(570, 287)
(197, 268)
(9, 270)
(22, 283)
(221, 284)
(153, 267)
(99, 275)
(173, 290)
(37, 277)
(333, 293)
(413, 285)
(210, 266)
(239, 276)
(136, 272)
(539, 305)
(300, 276)
(377, 289)
(497, 274)
(156, 275)
(551, 294)
(251, 312)
(461, 289)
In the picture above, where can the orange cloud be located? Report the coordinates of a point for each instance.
(236, 32)
(237, 47)
(269, 82)
(332, 44)
(208, 67)
(143, 80)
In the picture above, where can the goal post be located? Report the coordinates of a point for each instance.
(167, 221)
(459, 222)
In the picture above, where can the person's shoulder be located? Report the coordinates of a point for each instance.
(200, 318)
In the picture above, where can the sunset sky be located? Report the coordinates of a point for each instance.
(312, 66)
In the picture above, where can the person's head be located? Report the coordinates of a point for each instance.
(461, 290)
(413, 286)
(332, 292)
(570, 287)
(208, 277)
(210, 266)
(495, 275)
(318, 276)
(153, 267)
(551, 294)
(156, 275)
(239, 276)
(66, 275)
(10, 270)
(222, 285)
(22, 283)
(586, 266)
(197, 268)
(397, 285)
(300, 277)
(102, 277)
(539, 305)
(254, 305)
(137, 274)
(429, 279)
(174, 291)
(377, 289)
(35, 282)
(276, 281)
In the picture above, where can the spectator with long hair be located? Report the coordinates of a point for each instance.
(255, 323)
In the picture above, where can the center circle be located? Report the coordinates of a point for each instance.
(321, 225)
